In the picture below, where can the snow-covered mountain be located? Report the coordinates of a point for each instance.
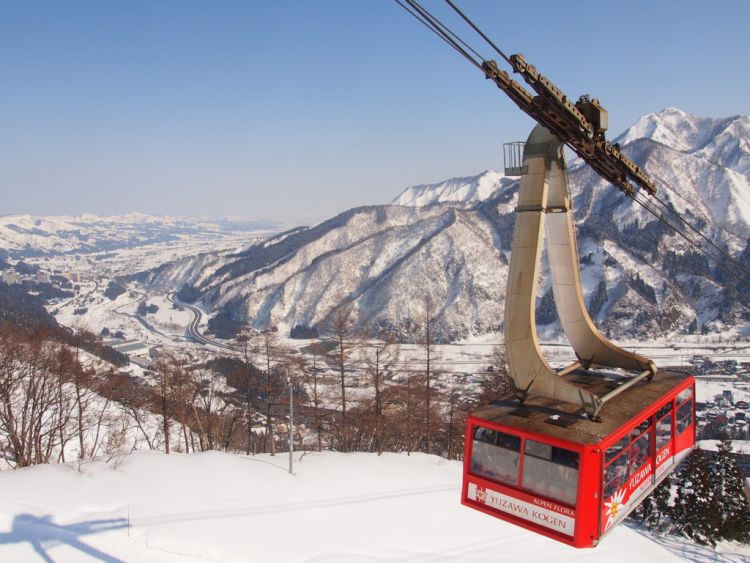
(381, 261)
(461, 191)
(28, 235)
(723, 141)
(452, 241)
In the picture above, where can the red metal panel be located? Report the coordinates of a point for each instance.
(538, 514)
(643, 479)
(588, 501)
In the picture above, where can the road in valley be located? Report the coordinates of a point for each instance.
(191, 330)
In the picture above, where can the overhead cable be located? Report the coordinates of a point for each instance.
(442, 31)
(480, 32)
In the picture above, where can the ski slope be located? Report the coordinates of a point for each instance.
(148, 506)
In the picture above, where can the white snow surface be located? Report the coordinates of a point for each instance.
(738, 446)
(222, 507)
(466, 191)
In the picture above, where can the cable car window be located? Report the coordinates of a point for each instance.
(616, 475)
(565, 457)
(615, 450)
(538, 449)
(663, 431)
(640, 452)
(665, 410)
(640, 429)
(509, 442)
(495, 455)
(485, 435)
(684, 417)
(684, 395)
(551, 472)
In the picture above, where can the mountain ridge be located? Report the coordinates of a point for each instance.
(639, 279)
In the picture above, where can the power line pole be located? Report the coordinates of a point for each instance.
(291, 422)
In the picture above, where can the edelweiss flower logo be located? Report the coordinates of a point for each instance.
(481, 495)
(613, 507)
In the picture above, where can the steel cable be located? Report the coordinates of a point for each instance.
(479, 31)
(439, 29)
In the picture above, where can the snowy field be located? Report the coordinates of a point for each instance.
(337, 507)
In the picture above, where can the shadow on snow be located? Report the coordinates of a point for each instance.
(41, 533)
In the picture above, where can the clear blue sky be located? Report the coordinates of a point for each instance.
(296, 110)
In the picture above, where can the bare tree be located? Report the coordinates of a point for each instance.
(404, 402)
(316, 351)
(182, 393)
(428, 343)
(455, 425)
(244, 341)
(214, 416)
(66, 364)
(134, 401)
(30, 413)
(379, 355)
(170, 372)
(274, 357)
(341, 336)
(497, 380)
(105, 390)
(82, 380)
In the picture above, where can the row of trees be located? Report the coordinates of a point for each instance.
(58, 403)
(350, 393)
(381, 399)
(704, 500)
(47, 399)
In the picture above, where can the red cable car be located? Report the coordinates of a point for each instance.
(568, 477)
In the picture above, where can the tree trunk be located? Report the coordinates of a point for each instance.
(165, 408)
(344, 429)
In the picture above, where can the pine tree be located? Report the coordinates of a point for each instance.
(655, 507)
(662, 495)
(731, 517)
(645, 512)
(694, 501)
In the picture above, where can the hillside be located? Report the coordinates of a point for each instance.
(382, 261)
(220, 507)
(452, 240)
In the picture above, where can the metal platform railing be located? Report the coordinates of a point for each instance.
(513, 158)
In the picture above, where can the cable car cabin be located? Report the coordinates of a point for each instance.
(543, 467)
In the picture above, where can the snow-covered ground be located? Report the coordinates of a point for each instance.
(337, 507)
(738, 446)
(76, 240)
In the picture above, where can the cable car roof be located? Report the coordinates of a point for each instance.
(560, 420)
